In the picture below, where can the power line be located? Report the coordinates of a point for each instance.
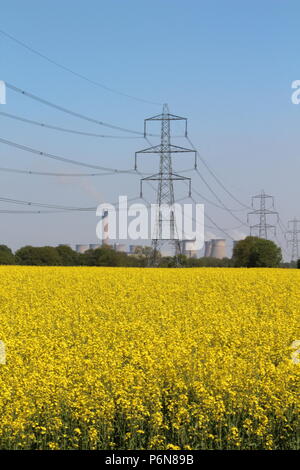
(230, 211)
(281, 246)
(220, 200)
(203, 197)
(18, 212)
(45, 173)
(79, 75)
(61, 211)
(68, 111)
(51, 206)
(215, 176)
(214, 223)
(222, 207)
(218, 227)
(63, 129)
(282, 226)
(283, 230)
(207, 226)
(226, 229)
(73, 175)
(211, 202)
(60, 158)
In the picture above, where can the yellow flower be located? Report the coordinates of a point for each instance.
(172, 447)
(53, 445)
(117, 358)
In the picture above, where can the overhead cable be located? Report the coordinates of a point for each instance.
(63, 129)
(219, 200)
(55, 206)
(215, 176)
(79, 75)
(60, 158)
(70, 112)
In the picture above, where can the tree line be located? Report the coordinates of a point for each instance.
(250, 252)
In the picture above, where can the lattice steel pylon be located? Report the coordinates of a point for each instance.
(294, 240)
(165, 178)
(263, 212)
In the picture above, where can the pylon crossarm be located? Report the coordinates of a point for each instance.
(259, 196)
(153, 149)
(171, 149)
(265, 211)
(164, 117)
(160, 148)
(168, 117)
(168, 177)
(267, 226)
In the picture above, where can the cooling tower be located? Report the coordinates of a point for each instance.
(82, 248)
(207, 250)
(218, 248)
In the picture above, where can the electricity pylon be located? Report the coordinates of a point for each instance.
(263, 212)
(294, 240)
(165, 189)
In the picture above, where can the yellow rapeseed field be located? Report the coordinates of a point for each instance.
(126, 358)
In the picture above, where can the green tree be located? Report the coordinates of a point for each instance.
(6, 255)
(209, 262)
(255, 252)
(166, 262)
(38, 256)
(67, 256)
(104, 256)
(144, 255)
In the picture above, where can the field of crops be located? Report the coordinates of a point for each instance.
(116, 358)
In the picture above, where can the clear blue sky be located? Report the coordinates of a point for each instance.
(225, 65)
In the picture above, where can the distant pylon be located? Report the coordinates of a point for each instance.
(165, 178)
(294, 240)
(263, 212)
